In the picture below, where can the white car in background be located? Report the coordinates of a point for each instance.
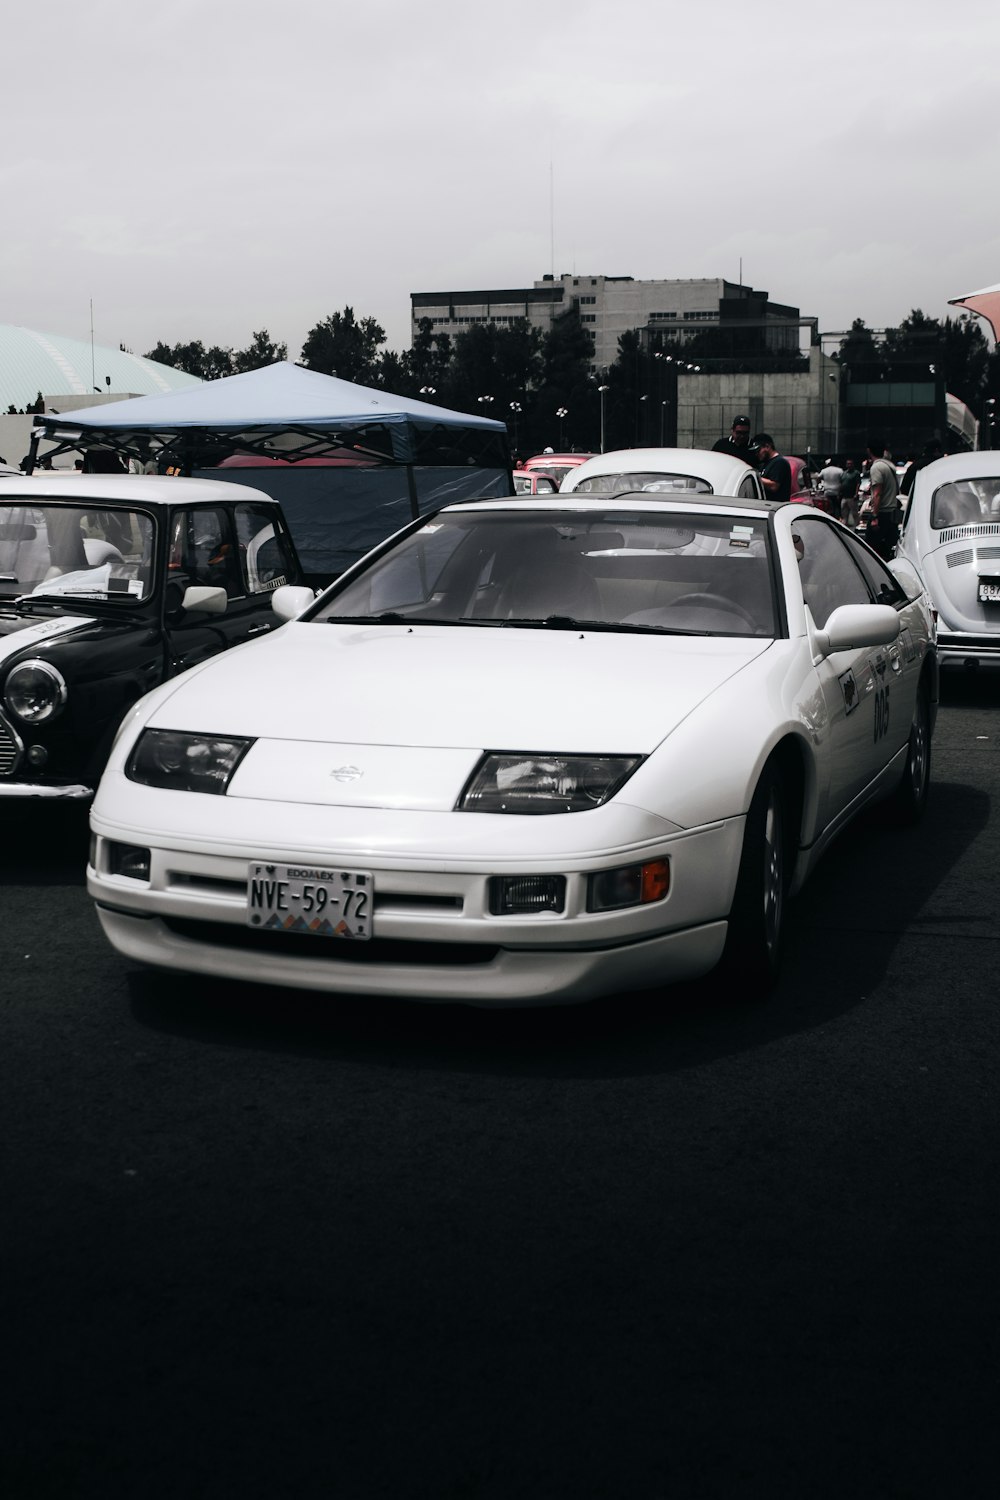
(528, 750)
(664, 471)
(951, 535)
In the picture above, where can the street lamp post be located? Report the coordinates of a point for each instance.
(516, 409)
(640, 420)
(601, 390)
(561, 413)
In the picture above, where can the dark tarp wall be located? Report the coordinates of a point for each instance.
(336, 514)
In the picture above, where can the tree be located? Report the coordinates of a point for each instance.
(565, 384)
(260, 352)
(195, 359)
(340, 345)
(430, 358)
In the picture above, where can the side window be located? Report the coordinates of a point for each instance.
(203, 550)
(265, 558)
(827, 574)
(749, 488)
(885, 588)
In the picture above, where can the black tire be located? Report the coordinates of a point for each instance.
(752, 955)
(907, 803)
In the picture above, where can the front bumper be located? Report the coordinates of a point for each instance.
(433, 936)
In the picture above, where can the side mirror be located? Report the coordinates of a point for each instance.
(208, 601)
(854, 626)
(290, 600)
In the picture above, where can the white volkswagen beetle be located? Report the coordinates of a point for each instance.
(526, 751)
(951, 535)
(664, 471)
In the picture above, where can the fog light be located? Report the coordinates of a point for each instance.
(130, 860)
(37, 755)
(631, 885)
(514, 895)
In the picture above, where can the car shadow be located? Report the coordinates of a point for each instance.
(840, 944)
(43, 843)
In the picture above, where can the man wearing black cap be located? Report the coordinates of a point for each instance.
(738, 441)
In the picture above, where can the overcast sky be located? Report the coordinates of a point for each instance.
(206, 168)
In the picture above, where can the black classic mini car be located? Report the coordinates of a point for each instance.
(108, 586)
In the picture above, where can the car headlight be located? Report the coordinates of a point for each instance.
(185, 762)
(35, 691)
(545, 783)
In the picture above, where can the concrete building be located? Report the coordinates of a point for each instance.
(612, 305)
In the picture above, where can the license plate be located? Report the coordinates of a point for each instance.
(311, 901)
(989, 590)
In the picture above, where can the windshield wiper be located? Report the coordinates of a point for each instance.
(566, 622)
(390, 617)
(25, 603)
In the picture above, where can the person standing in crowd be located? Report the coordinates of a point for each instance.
(738, 441)
(831, 477)
(849, 481)
(882, 531)
(776, 472)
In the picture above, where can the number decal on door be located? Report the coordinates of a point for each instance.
(881, 713)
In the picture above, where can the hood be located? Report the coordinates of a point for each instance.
(327, 699)
(26, 632)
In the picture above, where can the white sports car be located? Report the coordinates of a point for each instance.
(951, 535)
(526, 751)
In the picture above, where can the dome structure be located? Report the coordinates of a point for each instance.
(33, 362)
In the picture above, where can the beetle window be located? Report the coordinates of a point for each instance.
(657, 484)
(966, 502)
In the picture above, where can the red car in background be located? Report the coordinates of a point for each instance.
(556, 464)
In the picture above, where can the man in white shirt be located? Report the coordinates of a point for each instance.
(830, 478)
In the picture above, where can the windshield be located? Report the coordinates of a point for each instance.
(66, 550)
(966, 502)
(654, 483)
(612, 569)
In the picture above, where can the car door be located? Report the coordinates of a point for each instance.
(204, 552)
(857, 684)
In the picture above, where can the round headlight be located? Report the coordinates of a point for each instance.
(35, 691)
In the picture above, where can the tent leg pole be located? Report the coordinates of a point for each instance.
(33, 452)
(411, 485)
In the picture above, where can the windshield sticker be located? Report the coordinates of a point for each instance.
(849, 688)
(136, 587)
(741, 536)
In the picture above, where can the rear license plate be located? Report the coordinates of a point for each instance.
(989, 590)
(315, 902)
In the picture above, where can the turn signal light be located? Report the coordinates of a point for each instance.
(631, 885)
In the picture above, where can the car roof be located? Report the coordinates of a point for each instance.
(983, 464)
(127, 489)
(632, 500)
(721, 470)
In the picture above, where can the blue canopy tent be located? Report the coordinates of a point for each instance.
(349, 464)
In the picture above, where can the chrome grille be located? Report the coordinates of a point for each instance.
(11, 748)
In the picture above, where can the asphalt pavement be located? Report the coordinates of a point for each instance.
(262, 1244)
